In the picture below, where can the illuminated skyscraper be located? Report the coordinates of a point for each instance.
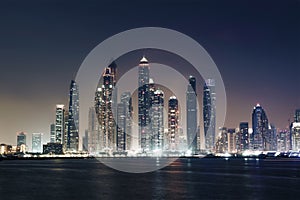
(72, 133)
(21, 139)
(221, 145)
(272, 138)
(104, 110)
(60, 124)
(297, 116)
(52, 133)
(144, 105)
(209, 113)
(282, 140)
(124, 122)
(295, 133)
(191, 114)
(157, 121)
(94, 137)
(37, 142)
(172, 139)
(244, 136)
(260, 126)
(231, 135)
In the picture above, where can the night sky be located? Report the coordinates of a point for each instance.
(43, 43)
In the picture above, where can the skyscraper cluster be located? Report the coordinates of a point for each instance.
(263, 136)
(159, 126)
(64, 133)
(110, 123)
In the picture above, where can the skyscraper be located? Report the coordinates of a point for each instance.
(94, 137)
(113, 72)
(121, 127)
(157, 121)
(124, 122)
(60, 124)
(297, 116)
(282, 140)
(21, 139)
(209, 113)
(104, 111)
(191, 114)
(173, 120)
(144, 105)
(260, 126)
(72, 133)
(85, 141)
(244, 134)
(125, 117)
(52, 133)
(37, 142)
(221, 145)
(272, 138)
(295, 133)
(231, 136)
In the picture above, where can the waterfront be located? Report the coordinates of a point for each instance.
(183, 179)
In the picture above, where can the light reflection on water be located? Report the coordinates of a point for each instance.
(183, 179)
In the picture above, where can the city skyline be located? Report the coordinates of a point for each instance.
(114, 134)
(252, 50)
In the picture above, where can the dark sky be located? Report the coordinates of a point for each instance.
(255, 45)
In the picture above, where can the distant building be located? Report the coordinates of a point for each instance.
(94, 137)
(53, 148)
(21, 139)
(173, 120)
(104, 110)
(231, 135)
(282, 140)
(37, 143)
(191, 114)
(260, 125)
(297, 116)
(85, 141)
(157, 121)
(295, 133)
(222, 141)
(272, 138)
(244, 135)
(209, 113)
(52, 133)
(124, 122)
(143, 105)
(59, 124)
(72, 131)
(3, 149)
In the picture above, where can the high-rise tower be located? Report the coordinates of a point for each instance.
(157, 121)
(52, 133)
(260, 126)
(37, 142)
(124, 122)
(244, 136)
(297, 116)
(21, 139)
(104, 111)
(191, 114)
(209, 113)
(173, 120)
(72, 139)
(60, 123)
(94, 137)
(144, 105)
